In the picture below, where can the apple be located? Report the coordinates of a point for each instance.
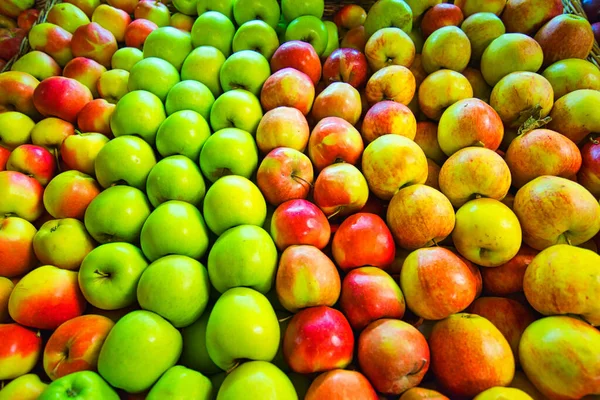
(447, 37)
(256, 380)
(52, 40)
(389, 13)
(204, 64)
(94, 42)
(79, 151)
(340, 189)
(246, 70)
(170, 44)
(572, 30)
(333, 40)
(450, 84)
(87, 6)
(85, 384)
(125, 58)
(236, 109)
(589, 173)
(69, 193)
(248, 10)
(529, 16)
(20, 350)
(393, 82)
(346, 65)
(175, 178)
(282, 127)
(567, 117)
(225, 7)
(338, 100)
(471, 7)
(389, 46)
(6, 287)
(46, 297)
(16, 93)
(258, 36)
(113, 85)
(349, 17)
(27, 18)
(288, 87)
(153, 10)
(137, 32)
(256, 324)
(12, 9)
(94, 117)
(499, 391)
(67, 16)
(318, 339)
(195, 354)
(34, 161)
(230, 151)
(341, 384)
(482, 28)
(38, 64)
(112, 19)
(310, 29)
(179, 381)
(439, 16)
(28, 387)
(190, 95)
(182, 21)
(213, 29)
(300, 56)
(63, 243)
(566, 76)
(16, 129)
(388, 117)
(183, 132)
(299, 222)
(508, 278)
(153, 346)
(334, 140)
(61, 97)
(22, 196)
(154, 75)
(306, 277)
(356, 38)
(10, 42)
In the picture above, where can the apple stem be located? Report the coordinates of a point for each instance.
(234, 366)
(56, 157)
(594, 139)
(302, 179)
(417, 368)
(435, 243)
(103, 274)
(336, 212)
(285, 318)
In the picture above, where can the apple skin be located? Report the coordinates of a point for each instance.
(464, 343)
(52, 40)
(46, 297)
(95, 117)
(16, 130)
(548, 337)
(442, 89)
(575, 222)
(10, 41)
(333, 140)
(567, 116)
(356, 38)
(508, 278)
(256, 35)
(256, 380)
(190, 95)
(83, 384)
(69, 193)
(94, 42)
(566, 76)
(340, 384)
(282, 127)
(154, 11)
(318, 339)
(179, 382)
(389, 46)
(528, 16)
(61, 97)
(299, 222)
(81, 339)
(306, 277)
(112, 85)
(67, 16)
(310, 29)
(236, 109)
(125, 58)
(34, 161)
(137, 32)
(482, 29)
(346, 65)
(246, 69)
(340, 189)
(288, 87)
(339, 99)
(388, 117)
(38, 64)
(19, 352)
(213, 29)
(182, 133)
(153, 75)
(4, 154)
(203, 64)
(589, 173)
(22, 196)
(393, 82)
(28, 387)
(112, 19)
(300, 56)
(439, 16)
(418, 393)
(153, 346)
(378, 348)
(175, 178)
(499, 392)
(229, 151)
(12, 9)
(389, 13)
(16, 93)
(168, 43)
(349, 16)
(447, 37)
(369, 294)
(79, 152)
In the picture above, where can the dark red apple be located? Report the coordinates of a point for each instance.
(439, 16)
(346, 65)
(596, 30)
(10, 41)
(589, 174)
(299, 55)
(299, 222)
(592, 10)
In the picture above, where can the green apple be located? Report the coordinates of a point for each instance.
(230, 151)
(242, 325)
(243, 256)
(170, 44)
(176, 288)
(247, 70)
(187, 7)
(81, 385)
(112, 85)
(249, 10)
(25, 387)
(236, 109)
(190, 95)
(125, 159)
(389, 13)
(258, 36)
(181, 383)
(175, 178)
(174, 227)
(194, 354)
(225, 7)
(138, 350)
(257, 380)
(333, 40)
(67, 16)
(125, 58)
(231, 201)
(204, 64)
(154, 75)
(213, 29)
(109, 275)
(138, 113)
(308, 29)
(293, 9)
(104, 215)
(63, 243)
(37, 64)
(183, 132)
(15, 129)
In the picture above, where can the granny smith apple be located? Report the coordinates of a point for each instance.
(231, 201)
(242, 325)
(293, 9)
(112, 85)
(389, 13)
(249, 10)
(225, 7)
(243, 256)
(124, 160)
(181, 383)
(117, 215)
(230, 151)
(183, 132)
(257, 380)
(246, 70)
(204, 64)
(308, 29)
(176, 288)
(109, 275)
(213, 29)
(175, 178)
(236, 109)
(126, 57)
(333, 41)
(170, 44)
(138, 350)
(194, 354)
(63, 243)
(26, 387)
(174, 227)
(190, 95)
(154, 75)
(258, 36)
(187, 7)
(138, 113)
(82, 385)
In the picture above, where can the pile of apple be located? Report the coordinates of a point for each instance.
(242, 201)
(16, 19)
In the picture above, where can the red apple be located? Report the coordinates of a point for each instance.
(27, 18)
(34, 161)
(369, 294)
(10, 42)
(46, 297)
(393, 355)
(355, 38)
(137, 32)
(338, 100)
(153, 10)
(21, 196)
(282, 127)
(86, 71)
(439, 16)
(299, 55)
(4, 154)
(334, 140)
(288, 87)
(298, 222)
(95, 42)
(16, 247)
(61, 97)
(16, 93)
(346, 65)
(284, 174)
(340, 189)
(52, 40)
(318, 339)
(350, 16)
(508, 278)
(589, 174)
(388, 117)
(95, 117)
(126, 5)
(69, 194)
(20, 349)
(79, 152)
(75, 345)
(341, 384)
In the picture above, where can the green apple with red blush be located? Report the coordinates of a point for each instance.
(79, 151)
(34, 161)
(113, 85)
(38, 64)
(125, 58)
(69, 194)
(63, 243)
(20, 350)
(29, 386)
